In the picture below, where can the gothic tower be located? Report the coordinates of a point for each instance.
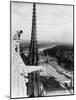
(33, 54)
(33, 77)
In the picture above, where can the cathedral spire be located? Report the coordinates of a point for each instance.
(33, 54)
(34, 77)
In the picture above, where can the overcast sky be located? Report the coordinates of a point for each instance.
(54, 22)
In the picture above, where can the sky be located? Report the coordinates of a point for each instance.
(54, 22)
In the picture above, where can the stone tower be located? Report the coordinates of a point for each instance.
(33, 77)
(33, 54)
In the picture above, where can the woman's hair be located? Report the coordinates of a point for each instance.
(21, 31)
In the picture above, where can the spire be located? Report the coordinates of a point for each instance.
(33, 54)
(34, 77)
